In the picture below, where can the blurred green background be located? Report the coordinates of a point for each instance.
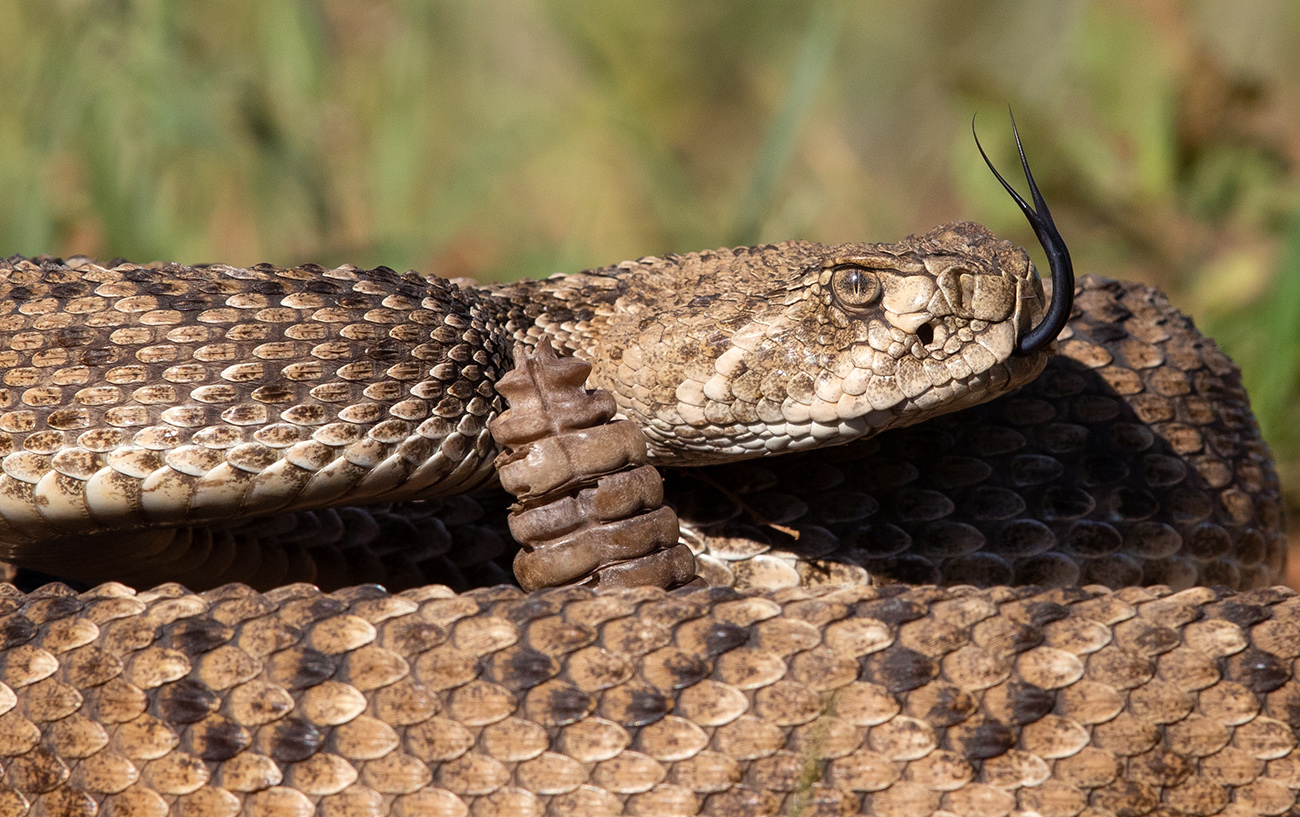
(500, 138)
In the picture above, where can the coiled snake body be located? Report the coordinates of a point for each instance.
(139, 402)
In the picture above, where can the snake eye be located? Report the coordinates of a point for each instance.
(854, 287)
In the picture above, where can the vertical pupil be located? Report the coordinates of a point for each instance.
(857, 285)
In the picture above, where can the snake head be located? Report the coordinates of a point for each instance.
(743, 352)
(738, 353)
(862, 338)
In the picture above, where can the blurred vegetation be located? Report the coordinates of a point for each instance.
(502, 138)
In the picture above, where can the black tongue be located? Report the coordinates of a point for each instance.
(1058, 255)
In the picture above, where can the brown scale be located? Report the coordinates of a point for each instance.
(871, 700)
(589, 507)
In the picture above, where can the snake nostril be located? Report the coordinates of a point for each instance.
(925, 334)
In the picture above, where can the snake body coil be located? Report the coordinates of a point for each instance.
(164, 420)
(837, 700)
(144, 403)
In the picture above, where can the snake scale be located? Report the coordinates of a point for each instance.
(143, 404)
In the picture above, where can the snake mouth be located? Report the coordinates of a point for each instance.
(1058, 255)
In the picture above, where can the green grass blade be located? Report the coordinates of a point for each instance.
(1272, 380)
(810, 69)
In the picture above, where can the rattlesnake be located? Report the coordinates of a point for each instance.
(166, 395)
